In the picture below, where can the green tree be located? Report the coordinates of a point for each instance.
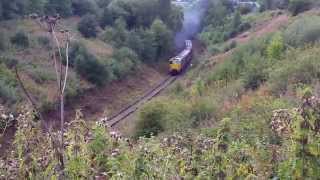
(125, 60)
(162, 37)
(145, 12)
(216, 14)
(149, 51)
(298, 6)
(176, 18)
(236, 20)
(1, 11)
(164, 9)
(118, 34)
(88, 26)
(88, 66)
(106, 18)
(36, 6)
(20, 39)
(135, 42)
(13, 8)
(83, 7)
(103, 3)
(63, 7)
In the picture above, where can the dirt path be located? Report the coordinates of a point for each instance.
(262, 29)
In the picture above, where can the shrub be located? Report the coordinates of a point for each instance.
(255, 72)
(244, 26)
(20, 39)
(76, 49)
(118, 34)
(244, 9)
(44, 41)
(8, 91)
(200, 111)
(9, 62)
(239, 65)
(298, 68)
(160, 115)
(124, 62)
(298, 6)
(214, 49)
(151, 119)
(230, 46)
(303, 31)
(41, 75)
(90, 68)
(223, 72)
(74, 88)
(87, 65)
(88, 26)
(276, 47)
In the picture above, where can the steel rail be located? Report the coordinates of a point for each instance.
(131, 108)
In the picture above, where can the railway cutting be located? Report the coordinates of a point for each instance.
(177, 64)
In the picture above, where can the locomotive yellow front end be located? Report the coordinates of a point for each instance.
(175, 66)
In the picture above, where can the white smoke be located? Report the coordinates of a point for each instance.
(191, 23)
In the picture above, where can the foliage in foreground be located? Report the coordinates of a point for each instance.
(219, 153)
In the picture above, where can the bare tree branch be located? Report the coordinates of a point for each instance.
(67, 63)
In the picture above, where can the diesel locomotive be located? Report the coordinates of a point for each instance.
(178, 63)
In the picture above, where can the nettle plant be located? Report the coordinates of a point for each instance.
(303, 156)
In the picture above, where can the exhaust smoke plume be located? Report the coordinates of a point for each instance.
(192, 22)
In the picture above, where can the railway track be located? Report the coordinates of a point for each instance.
(131, 108)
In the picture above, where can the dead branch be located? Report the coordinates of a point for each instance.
(27, 94)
